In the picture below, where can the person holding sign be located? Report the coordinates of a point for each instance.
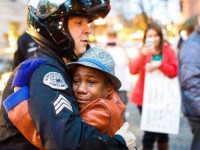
(155, 54)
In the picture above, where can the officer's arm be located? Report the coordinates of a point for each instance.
(56, 116)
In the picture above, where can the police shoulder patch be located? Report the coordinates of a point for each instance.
(55, 80)
(61, 103)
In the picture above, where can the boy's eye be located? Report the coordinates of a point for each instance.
(75, 81)
(79, 22)
(92, 82)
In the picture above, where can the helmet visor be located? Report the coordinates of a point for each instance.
(58, 8)
(45, 7)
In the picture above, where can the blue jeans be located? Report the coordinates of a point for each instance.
(195, 126)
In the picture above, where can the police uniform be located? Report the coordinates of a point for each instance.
(54, 112)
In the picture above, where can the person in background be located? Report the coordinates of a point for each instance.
(61, 28)
(186, 30)
(189, 77)
(121, 59)
(154, 54)
(26, 49)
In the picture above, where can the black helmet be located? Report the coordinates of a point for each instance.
(46, 21)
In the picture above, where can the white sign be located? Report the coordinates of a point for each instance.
(161, 104)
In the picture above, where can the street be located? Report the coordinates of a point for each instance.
(181, 141)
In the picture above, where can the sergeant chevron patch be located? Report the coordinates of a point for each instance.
(60, 103)
(55, 80)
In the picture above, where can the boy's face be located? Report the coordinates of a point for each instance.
(90, 84)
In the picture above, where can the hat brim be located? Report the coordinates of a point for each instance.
(115, 81)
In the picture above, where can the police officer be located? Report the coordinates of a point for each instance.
(61, 29)
(26, 49)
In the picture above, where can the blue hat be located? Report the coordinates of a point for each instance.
(99, 59)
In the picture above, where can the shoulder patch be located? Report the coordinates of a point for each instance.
(55, 80)
(61, 103)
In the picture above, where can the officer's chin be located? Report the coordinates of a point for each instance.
(84, 51)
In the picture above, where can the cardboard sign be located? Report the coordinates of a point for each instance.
(161, 104)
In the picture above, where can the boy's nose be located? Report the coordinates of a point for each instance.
(82, 88)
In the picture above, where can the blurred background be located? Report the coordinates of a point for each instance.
(128, 18)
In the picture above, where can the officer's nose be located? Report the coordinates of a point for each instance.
(87, 29)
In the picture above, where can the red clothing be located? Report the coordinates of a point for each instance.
(169, 67)
(104, 114)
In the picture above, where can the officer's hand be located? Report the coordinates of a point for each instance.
(128, 136)
(25, 71)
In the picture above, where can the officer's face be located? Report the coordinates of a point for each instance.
(90, 84)
(79, 30)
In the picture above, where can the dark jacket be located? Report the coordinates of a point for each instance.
(26, 49)
(60, 126)
(189, 76)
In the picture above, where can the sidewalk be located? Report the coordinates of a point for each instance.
(181, 141)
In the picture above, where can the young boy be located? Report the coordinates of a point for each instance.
(94, 86)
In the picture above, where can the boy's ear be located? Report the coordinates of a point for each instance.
(111, 89)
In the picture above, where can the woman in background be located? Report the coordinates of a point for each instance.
(155, 54)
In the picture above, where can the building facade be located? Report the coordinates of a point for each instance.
(189, 8)
(13, 22)
(13, 19)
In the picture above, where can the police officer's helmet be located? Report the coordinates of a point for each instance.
(47, 19)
